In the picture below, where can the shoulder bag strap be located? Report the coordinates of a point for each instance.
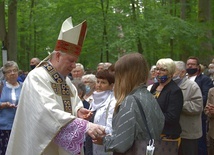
(143, 116)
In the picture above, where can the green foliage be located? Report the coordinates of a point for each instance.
(39, 23)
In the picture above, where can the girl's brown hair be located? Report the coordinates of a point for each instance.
(131, 70)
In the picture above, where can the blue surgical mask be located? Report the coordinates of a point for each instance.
(87, 89)
(162, 79)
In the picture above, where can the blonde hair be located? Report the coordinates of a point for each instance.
(168, 64)
(131, 70)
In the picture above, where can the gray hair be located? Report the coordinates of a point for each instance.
(211, 65)
(101, 64)
(153, 68)
(50, 56)
(9, 64)
(91, 77)
(107, 65)
(180, 65)
(80, 65)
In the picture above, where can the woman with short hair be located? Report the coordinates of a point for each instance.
(102, 108)
(10, 92)
(169, 96)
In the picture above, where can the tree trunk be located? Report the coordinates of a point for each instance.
(138, 40)
(185, 9)
(204, 17)
(12, 30)
(2, 22)
(32, 40)
(3, 31)
(105, 34)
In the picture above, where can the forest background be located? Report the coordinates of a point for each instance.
(156, 28)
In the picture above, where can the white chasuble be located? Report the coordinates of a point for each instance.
(47, 104)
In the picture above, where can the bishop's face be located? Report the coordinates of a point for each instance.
(66, 63)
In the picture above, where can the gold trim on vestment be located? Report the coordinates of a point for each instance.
(60, 87)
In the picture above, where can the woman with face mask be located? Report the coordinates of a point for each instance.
(169, 97)
(211, 72)
(90, 81)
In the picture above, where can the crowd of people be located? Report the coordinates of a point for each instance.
(59, 109)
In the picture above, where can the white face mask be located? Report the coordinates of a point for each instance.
(211, 71)
(177, 79)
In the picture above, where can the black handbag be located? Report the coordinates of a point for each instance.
(162, 147)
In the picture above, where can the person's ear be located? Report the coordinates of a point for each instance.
(183, 73)
(58, 54)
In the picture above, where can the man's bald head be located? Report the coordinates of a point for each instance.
(34, 62)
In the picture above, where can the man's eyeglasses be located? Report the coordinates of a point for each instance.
(160, 69)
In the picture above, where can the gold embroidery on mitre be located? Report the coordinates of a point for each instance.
(60, 87)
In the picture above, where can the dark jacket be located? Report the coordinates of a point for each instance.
(128, 125)
(205, 83)
(171, 103)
